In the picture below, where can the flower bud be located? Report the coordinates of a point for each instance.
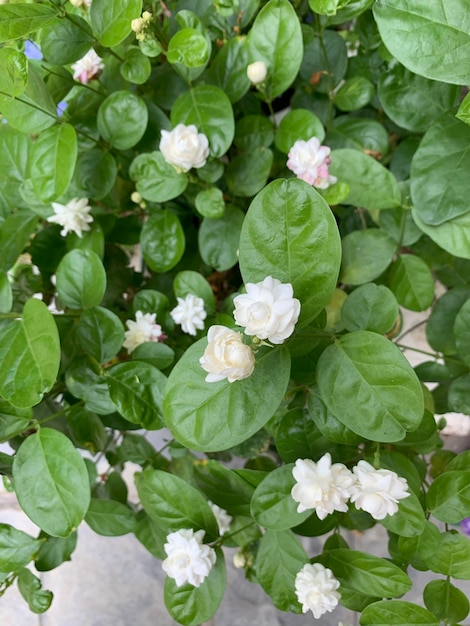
(146, 16)
(257, 72)
(138, 24)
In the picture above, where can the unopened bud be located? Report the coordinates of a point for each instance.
(257, 72)
(136, 197)
(146, 16)
(138, 24)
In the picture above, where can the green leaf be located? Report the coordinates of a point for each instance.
(276, 39)
(13, 420)
(287, 228)
(17, 20)
(462, 332)
(361, 571)
(329, 425)
(17, 548)
(95, 173)
(440, 325)
(188, 47)
(367, 383)
(15, 232)
(325, 61)
(228, 69)
(458, 397)
(366, 255)
(409, 520)
(81, 279)
(194, 605)
(272, 505)
(122, 119)
(57, 502)
(464, 110)
(298, 124)
(412, 101)
(219, 239)
(450, 556)
(215, 416)
(100, 332)
(54, 551)
(162, 240)
(86, 429)
(54, 156)
(446, 601)
(136, 67)
(371, 186)
(157, 180)
(440, 32)
(448, 497)
(412, 282)
(157, 354)
(279, 559)
(64, 41)
(151, 535)
(438, 172)
(453, 235)
(247, 173)
(136, 388)
(110, 518)
(396, 613)
(354, 93)
(111, 21)
(38, 599)
(174, 503)
(84, 380)
(210, 110)
(30, 356)
(324, 7)
(14, 152)
(358, 133)
(14, 75)
(253, 131)
(210, 202)
(189, 282)
(370, 307)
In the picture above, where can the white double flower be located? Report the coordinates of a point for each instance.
(184, 147)
(188, 559)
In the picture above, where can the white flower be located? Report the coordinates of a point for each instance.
(226, 356)
(309, 161)
(142, 330)
(378, 491)
(315, 588)
(73, 216)
(257, 72)
(267, 310)
(189, 313)
(184, 147)
(81, 3)
(189, 560)
(87, 67)
(223, 518)
(322, 486)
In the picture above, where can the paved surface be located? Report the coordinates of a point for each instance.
(116, 582)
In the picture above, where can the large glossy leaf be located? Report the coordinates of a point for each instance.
(289, 233)
(368, 385)
(111, 21)
(448, 497)
(64, 41)
(430, 39)
(100, 332)
(228, 70)
(453, 235)
(30, 356)
(371, 186)
(110, 518)
(57, 502)
(191, 605)
(412, 282)
(366, 255)
(16, 548)
(162, 240)
(122, 119)
(217, 416)
(279, 559)
(439, 172)
(54, 156)
(210, 110)
(219, 239)
(15, 233)
(17, 20)
(157, 180)
(440, 325)
(446, 601)
(14, 151)
(276, 39)
(450, 555)
(370, 307)
(396, 613)
(81, 279)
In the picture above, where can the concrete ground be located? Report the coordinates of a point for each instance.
(114, 581)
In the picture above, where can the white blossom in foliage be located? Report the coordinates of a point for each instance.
(223, 518)
(378, 491)
(184, 147)
(142, 330)
(315, 588)
(226, 356)
(267, 310)
(188, 559)
(309, 161)
(81, 3)
(189, 313)
(322, 486)
(87, 67)
(257, 72)
(74, 216)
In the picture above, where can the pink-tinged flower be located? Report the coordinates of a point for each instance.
(190, 314)
(226, 356)
(322, 486)
(87, 67)
(309, 161)
(223, 518)
(378, 491)
(188, 559)
(315, 588)
(142, 330)
(184, 147)
(73, 216)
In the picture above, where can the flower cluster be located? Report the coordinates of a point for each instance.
(188, 559)
(190, 314)
(269, 311)
(74, 216)
(184, 147)
(327, 487)
(142, 330)
(88, 67)
(316, 589)
(140, 24)
(309, 161)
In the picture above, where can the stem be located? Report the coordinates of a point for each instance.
(34, 106)
(411, 329)
(221, 540)
(73, 82)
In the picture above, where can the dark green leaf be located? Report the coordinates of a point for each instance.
(81, 279)
(412, 282)
(157, 180)
(370, 307)
(64, 41)
(15, 233)
(16, 548)
(100, 332)
(39, 600)
(111, 22)
(298, 124)
(110, 518)
(162, 240)
(122, 119)
(396, 613)
(446, 601)
(448, 497)
(54, 551)
(219, 239)
(366, 255)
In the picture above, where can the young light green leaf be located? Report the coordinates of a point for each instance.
(14, 75)
(156, 180)
(16, 548)
(59, 501)
(111, 22)
(17, 20)
(38, 599)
